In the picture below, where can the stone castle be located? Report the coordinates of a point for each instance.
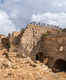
(45, 44)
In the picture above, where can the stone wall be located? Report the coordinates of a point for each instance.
(31, 42)
(54, 47)
(38, 43)
(32, 37)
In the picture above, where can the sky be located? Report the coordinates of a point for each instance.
(15, 14)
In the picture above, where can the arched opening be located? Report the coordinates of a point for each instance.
(39, 57)
(6, 43)
(59, 66)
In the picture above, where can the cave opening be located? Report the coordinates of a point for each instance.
(59, 66)
(39, 57)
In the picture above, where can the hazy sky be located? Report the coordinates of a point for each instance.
(21, 12)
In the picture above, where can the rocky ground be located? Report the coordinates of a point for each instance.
(26, 69)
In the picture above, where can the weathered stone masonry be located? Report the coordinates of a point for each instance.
(32, 37)
(52, 46)
(35, 44)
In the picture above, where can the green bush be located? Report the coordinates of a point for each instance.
(46, 34)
